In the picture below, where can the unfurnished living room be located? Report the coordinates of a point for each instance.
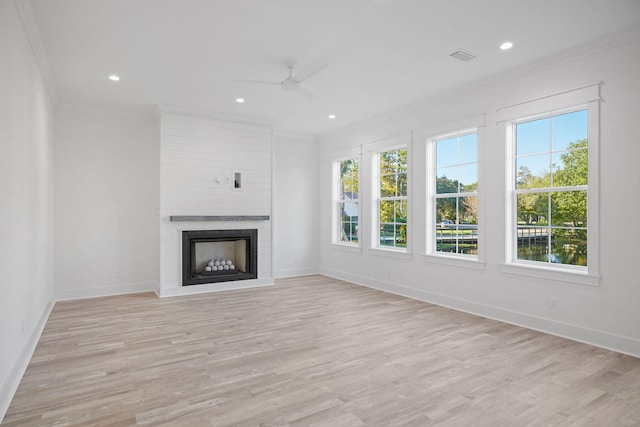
(282, 213)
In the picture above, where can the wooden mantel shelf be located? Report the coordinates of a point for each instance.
(219, 218)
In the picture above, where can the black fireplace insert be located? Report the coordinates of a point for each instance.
(210, 256)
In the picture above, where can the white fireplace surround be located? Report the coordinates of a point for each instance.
(199, 158)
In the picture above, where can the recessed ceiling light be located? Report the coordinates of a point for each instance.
(114, 78)
(506, 45)
(239, 100)
(332, 116)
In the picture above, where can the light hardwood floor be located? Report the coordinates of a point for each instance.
(311, 351)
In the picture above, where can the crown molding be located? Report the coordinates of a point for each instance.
(210, 115)
(569, 55)
(32, 31)
(123, 112)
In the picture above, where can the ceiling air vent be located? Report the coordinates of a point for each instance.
(463, 55)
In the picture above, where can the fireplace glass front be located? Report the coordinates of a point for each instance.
(210, 256)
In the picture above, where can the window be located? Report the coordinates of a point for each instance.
(347, 201)
(391, 198)
(551, 187)
(456, 194)
(552, 199)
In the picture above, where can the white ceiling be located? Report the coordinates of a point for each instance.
(381, 54)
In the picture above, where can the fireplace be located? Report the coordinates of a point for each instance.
(210, 256)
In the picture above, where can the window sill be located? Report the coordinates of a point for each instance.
(390, 252)
(456, 261)
(549, 273)
(346, 247)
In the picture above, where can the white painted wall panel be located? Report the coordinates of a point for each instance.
(107, 204)
(26, 202)
(295, 199)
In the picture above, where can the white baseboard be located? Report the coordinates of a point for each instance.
(134, 288)
(9, 387)
(215, 287)
(606, 340)
(295, 273)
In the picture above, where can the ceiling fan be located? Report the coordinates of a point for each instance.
(292, 82)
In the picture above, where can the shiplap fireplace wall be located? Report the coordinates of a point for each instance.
(199, 162)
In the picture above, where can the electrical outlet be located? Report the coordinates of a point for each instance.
(554, 303)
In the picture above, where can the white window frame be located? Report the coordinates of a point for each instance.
(335, 200)
(582, 98)
(339, 156)
(473, 124)
(375, 148)
(433, 196)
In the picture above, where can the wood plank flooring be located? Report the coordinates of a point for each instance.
(311, 351)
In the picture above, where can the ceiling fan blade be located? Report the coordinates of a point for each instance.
(256, 81)
(306, 93)
(308, 72)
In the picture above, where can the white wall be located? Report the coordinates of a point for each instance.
(106, 204)
(199, 157)
(295, 205)
(606, 315)
(26, 202)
